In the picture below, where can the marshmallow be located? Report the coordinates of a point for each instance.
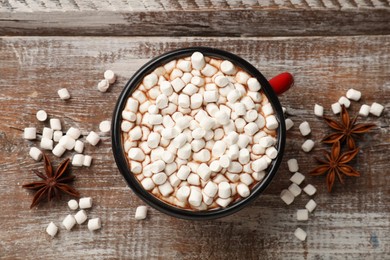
(258, 176)
(221, 81)
(155, 119)
(110, 76)
(218, 149)
(253, 84)
(209, 70)
(148, 184)
(186, 78)
(210, 96)
(55, 124)
(80, 217)
(202, 156)
(344, 101)
(139, 95)
(289, 124)
(78, 160)
(197, 81)
(304, 128)
(136, 154)
(242, 77)
(73, 204)
(197, 145)
(267, 109)
(336, 108)
(271, 152)
(243, 190)
(233, 152)
(63, 93)
(239, 108)
(58, 150)
(183, 172)
(196, 101)
(251, 116)
(105, 126)
(223, 202)
(297, 178)
(243, 141)
(103, 85)
(46, 143)
(271, 122)
(178, 84)
(52, 229)
(364, 110)
(287, 197)
(308, 145)
(93, 138)
(132, 105)
(157, 166)
(94, 224)
(127, 115)
(204, 172)
(318, 110)
(224, 161)
(353, 94)
(251, 129)
(87, 160)
(233, 177)
(233, 96)
(184, 65)
(207, 200)
(174, 181)
(41, 115)
(57, 136)
(294, 189)
(232, 138)
(207, 123)
(258, 149)
(179, 140)
(197, 60)
(266, 141)
(184, 152)
(244, 156)
(300, 234)
(170, 66)
(153, 140)
(141, 212)
(159, 178)
(302, 214)
(227, 67)
(150, 80)
(126, 126)
(292, 165)
(235, 167)
(224, 190)
(215, 166)
(210, 189)
(135, 133)
(260, 164)
(195, 198)
(176, 73)
(135, 167)
(161, 101)
(74, 133)
(166, 88)
(182, 193)
(310, 190)
(168, 157)
(311, 205)
(255, 96)
(376, 109)
(190, 89)
(222, 117)
(69, 222)
(35, 153)
(198, 133)
(184, 101)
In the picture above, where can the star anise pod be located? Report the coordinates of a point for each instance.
(346, 130)
(335, 164)
(52, 183)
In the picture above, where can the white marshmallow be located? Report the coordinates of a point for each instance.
(255, 96)
(141, 213)
(127, 115)
(267, 109)
(224, 161)
(52, 229)
(87, 160)
(215, 166)
(159, 178)
(148, 184)
(244, 156)
(184, 65)
(235, 167)
(239, 108)
(221, 81)
(135, 133)
(110, 76)
(168, 157)
(224, 190)
(103, 85)
(155, 119)
(178, 84)
(289, 124)
(308, 145)
(233, 177)
(179, 140)
(78, 160)
(210, 96)
(182, 193)
(73, 204)
(253, 84)
(336, 108)
(139, 95)
(46, 143)
(251, 116)
(196, 101)
(93, 138)
(246, 179)
(153, 140)
(198, 133)
(157, 166)
(271, 152)
(184, 152)
(174, 181)
(210, 189)
(197, 145)
(166, 88)
(63, 93)
(297, 178)
(223, 202)
(227, 67)
(57, 136)
(287, 197)
(266, 141)
(302, 214)
(58, 150)
(41, 115)
(219, 178)
(232, 138)
(304, 128)
(150, 80)
(310, 190)
(190, 89)
(126, 126)
(74, 133)
(353, 94)
(364, 110)
(251, 129)
(271, 122)
(242, 77)
(292, 165)
(80, 217)
(204, 172)
(222, 117)
(258, 176)
(136, 154)
(94, 224)
(184, 172)
(105, 126)
(135, 167)
(260, 164)
(35, 153)
(202, 156)
(243, 141)
(300, 234)
(311, 205)
(186, 77)
(197, 60)
(258, 149)
(170, 66)
(184, 101)
(243, 190)
(233, 152)
(132, 105)
(219, 149)
(55, 124)
(209, 70)
(294, 189)
(344, 101)
(69, 222)
(376, 109)
(233, 96)
(161, 101)
(195, 198)
(318, 110)
(197, 81)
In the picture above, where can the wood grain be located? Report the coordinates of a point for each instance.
(352, 222)
(194, 18)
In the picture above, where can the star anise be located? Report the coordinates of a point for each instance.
(52, 184)
(346, 130)
(335, 164)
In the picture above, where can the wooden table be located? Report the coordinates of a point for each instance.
(330, 46)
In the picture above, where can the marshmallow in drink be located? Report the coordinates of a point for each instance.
(183, 193)
(260, 164)
(69, 222)
(204, 172)
(209, 70)
(215, 166)
(165, 189)
(242, 77)
(93, 138)
(271, 122)
(202, 156)
(244, 156)
(190, 89)
(224, 190)
(210, 189)
(94, 224)
(243, 190)
(41, 115)
(150, 80)
(148, 184)
(251, 129)
(227, 67)
(223, 202)
(127, 115)
(353, 94)
(132, 105)
(157, 166)
(63, 93)
(233, 96)
(35, 153)
(193, 179)
(141, 212)
(376, 109)
(271, 152)
(255, 96)
(197, 60)
(136, 154)
(46, 143)
(153, 140)
(221, 81)
(239, 108)
(219, 149)
(246, 179)
(253, 84)
(267, 109)
(195, 198)
(159, 178)
(364, 110)
(258, 176)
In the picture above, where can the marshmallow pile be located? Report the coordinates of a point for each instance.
(199, 133)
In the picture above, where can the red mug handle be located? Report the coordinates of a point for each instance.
(282, 82)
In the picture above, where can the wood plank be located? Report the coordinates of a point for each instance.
(194, 18)
(352, 222)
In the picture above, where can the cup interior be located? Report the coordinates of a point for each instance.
(120, 155)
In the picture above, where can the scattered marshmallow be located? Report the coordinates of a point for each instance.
(79, 146)
(353, 94)
(85, 203)
(289, 124)
(344, 101)
(297, 178)
(78, 160)
(304, 128)
(80, 217)
(292, 165)
(364, 110)
(69, 222)
(318, 110)
(73, 204)
(110, 76)
(30, 133)
(41, 115)
(46, 143)
(94, 224)
(58, 150)
(300, 234)
(105, 126)
(67, 142)
(55, 124)
(308, 145)
(63, 94)
(294, 189)
(311, 205)
(103, 85)
(376, 109)
(141, 212)
(57, 136)
(310, 190)
(336, 108)
(35, 153)
(93, 138)
(287, 197)
(52, 229)
(302, 214)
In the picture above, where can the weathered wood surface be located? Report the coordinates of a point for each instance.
(194, 18)
(352, 222)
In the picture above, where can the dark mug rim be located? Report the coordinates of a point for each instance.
(120, 156)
